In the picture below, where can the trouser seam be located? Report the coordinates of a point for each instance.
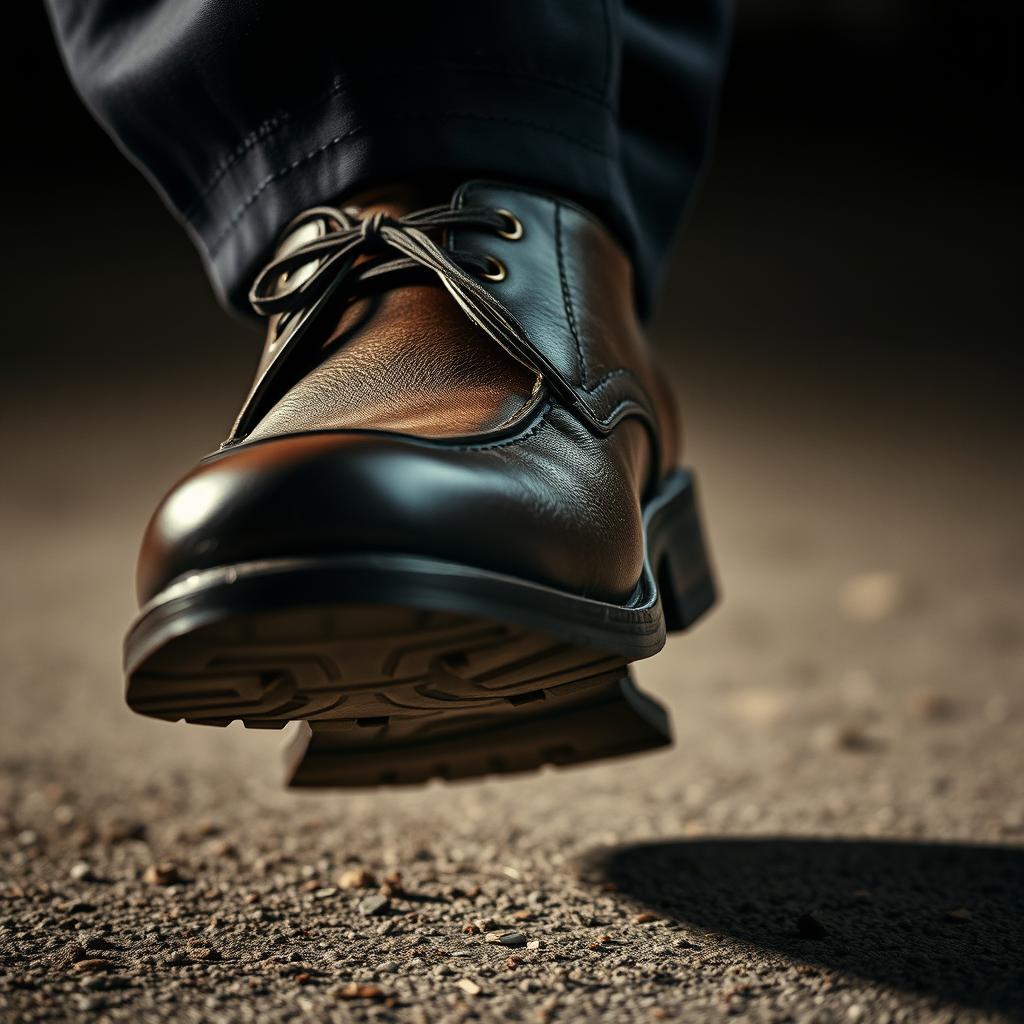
(275, 125)
(239, 211)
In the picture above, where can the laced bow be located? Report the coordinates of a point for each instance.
(356, 249)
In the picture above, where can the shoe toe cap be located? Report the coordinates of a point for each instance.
(529, 515)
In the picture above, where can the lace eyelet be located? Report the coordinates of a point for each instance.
(496, 270)
(514, 231)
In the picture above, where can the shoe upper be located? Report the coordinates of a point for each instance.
(517, 430)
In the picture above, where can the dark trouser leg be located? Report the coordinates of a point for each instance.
(244, 114)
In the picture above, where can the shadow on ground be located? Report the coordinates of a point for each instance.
(944, 921)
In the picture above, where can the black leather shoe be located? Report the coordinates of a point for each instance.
(449, 513)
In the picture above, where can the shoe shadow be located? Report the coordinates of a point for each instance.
(945, 921)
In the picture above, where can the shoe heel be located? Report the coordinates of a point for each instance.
(678, 553)
(589, 719)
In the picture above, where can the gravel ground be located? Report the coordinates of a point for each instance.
(837, 835)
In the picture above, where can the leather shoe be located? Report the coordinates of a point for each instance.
(449, 514)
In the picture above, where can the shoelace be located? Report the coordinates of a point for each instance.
(396, 244)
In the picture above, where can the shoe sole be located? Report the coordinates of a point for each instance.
(401, 669)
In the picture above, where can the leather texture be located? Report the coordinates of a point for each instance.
(409, 430)
(405, 361)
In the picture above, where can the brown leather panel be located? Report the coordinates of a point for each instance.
(407, 361)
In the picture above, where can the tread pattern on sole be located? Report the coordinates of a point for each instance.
(600, 717)
(395, 695)
(351, 664)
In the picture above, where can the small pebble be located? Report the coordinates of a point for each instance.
(121, 831)
(391, 884)
(357, 990)
(92, 965)
(164, 873)
(82, 872)
(373, 905)
(356, 878)
(77, 907)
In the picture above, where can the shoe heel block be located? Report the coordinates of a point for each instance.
(677, 553)
(600, 717)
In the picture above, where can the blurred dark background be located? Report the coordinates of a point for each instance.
(862, 214)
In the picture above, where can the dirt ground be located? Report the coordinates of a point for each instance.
(837, 834)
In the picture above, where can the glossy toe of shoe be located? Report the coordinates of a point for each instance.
(531, 507)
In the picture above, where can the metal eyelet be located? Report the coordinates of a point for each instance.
(514, 231)
(496, 270)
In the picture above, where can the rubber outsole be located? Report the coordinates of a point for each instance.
(403, 669)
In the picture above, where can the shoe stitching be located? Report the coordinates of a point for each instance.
(524, 407)
(508, 442)
(606, 420)
(570, 314)
(435, 444)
